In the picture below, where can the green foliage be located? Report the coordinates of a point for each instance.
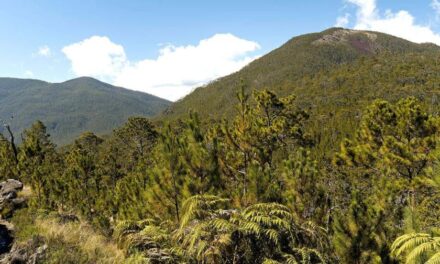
(303, 187)
(211, 232)
(82, 180)
(72, 107)
(396, 140)
(246, 190)
(148, 239)
(418, 248)
(335, 73)
(256, 140)
(359, 235)
(38, 162)
(8, 165)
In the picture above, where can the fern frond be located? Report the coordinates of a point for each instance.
(435, 259)
(408, 242)
(433, 245)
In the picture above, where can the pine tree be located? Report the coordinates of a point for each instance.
(393, 148)
(199, 154)
(81, 175)
(8, 165)
(38, 161)
(256, 139)
(302, 188)
(168, 186)
(395, 140)
(359, 236)
(134, 142)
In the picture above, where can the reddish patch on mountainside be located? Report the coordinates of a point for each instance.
(362, 45)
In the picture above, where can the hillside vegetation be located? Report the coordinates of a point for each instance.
(334, 74)
(72, 107)
(344, 170)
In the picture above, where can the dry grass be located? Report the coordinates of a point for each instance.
(97, 248)
(26, 192)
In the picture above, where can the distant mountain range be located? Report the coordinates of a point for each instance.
(72, 107)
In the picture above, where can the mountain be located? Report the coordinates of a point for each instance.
(334, 73)
(72, 107)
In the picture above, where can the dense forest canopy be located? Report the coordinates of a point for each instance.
(248, 189)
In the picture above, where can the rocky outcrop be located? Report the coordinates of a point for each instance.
(9, 200)
(30, 252)
(9, 203)
(363, 41)
(6, 238)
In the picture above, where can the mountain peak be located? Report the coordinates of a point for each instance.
(343, 35)
(305, 55)
(363, 41)
(83, 79)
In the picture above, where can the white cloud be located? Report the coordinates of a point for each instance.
(343, 21)
(29, 74)
(44, 51)
(173, 74)
(96, 56)
(400, 23)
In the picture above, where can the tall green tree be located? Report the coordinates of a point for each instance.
(168, 178)
(394, 142)
(393, 148)
(38, 161)
(134, 141)
(8, 164)
(200, 157)
(302, 187)
(359, 235)
(82, 176)
(123, 160)
(257, 139)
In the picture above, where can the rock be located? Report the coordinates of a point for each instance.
(8, 197)
(9, 202)
(6, 239)
(67, 218)
(11, 184)
(9, 188)
(19, 202)
(10, 194)
(30, 252)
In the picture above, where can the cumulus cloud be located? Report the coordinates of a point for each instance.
(343, 21)
(96, 56)
(400, 23)
(173, 74)
(44, 51)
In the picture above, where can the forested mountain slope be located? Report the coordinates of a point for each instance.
(334, 73)
(72, 107)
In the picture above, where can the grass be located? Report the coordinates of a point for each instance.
(72, 242)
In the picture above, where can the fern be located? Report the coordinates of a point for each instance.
(417, 246)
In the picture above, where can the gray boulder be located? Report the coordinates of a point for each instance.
(9, 187)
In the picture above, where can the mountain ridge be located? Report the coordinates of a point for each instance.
(335, 78)
(299, 56)
(71, 107)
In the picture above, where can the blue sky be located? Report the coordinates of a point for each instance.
(155, 46)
